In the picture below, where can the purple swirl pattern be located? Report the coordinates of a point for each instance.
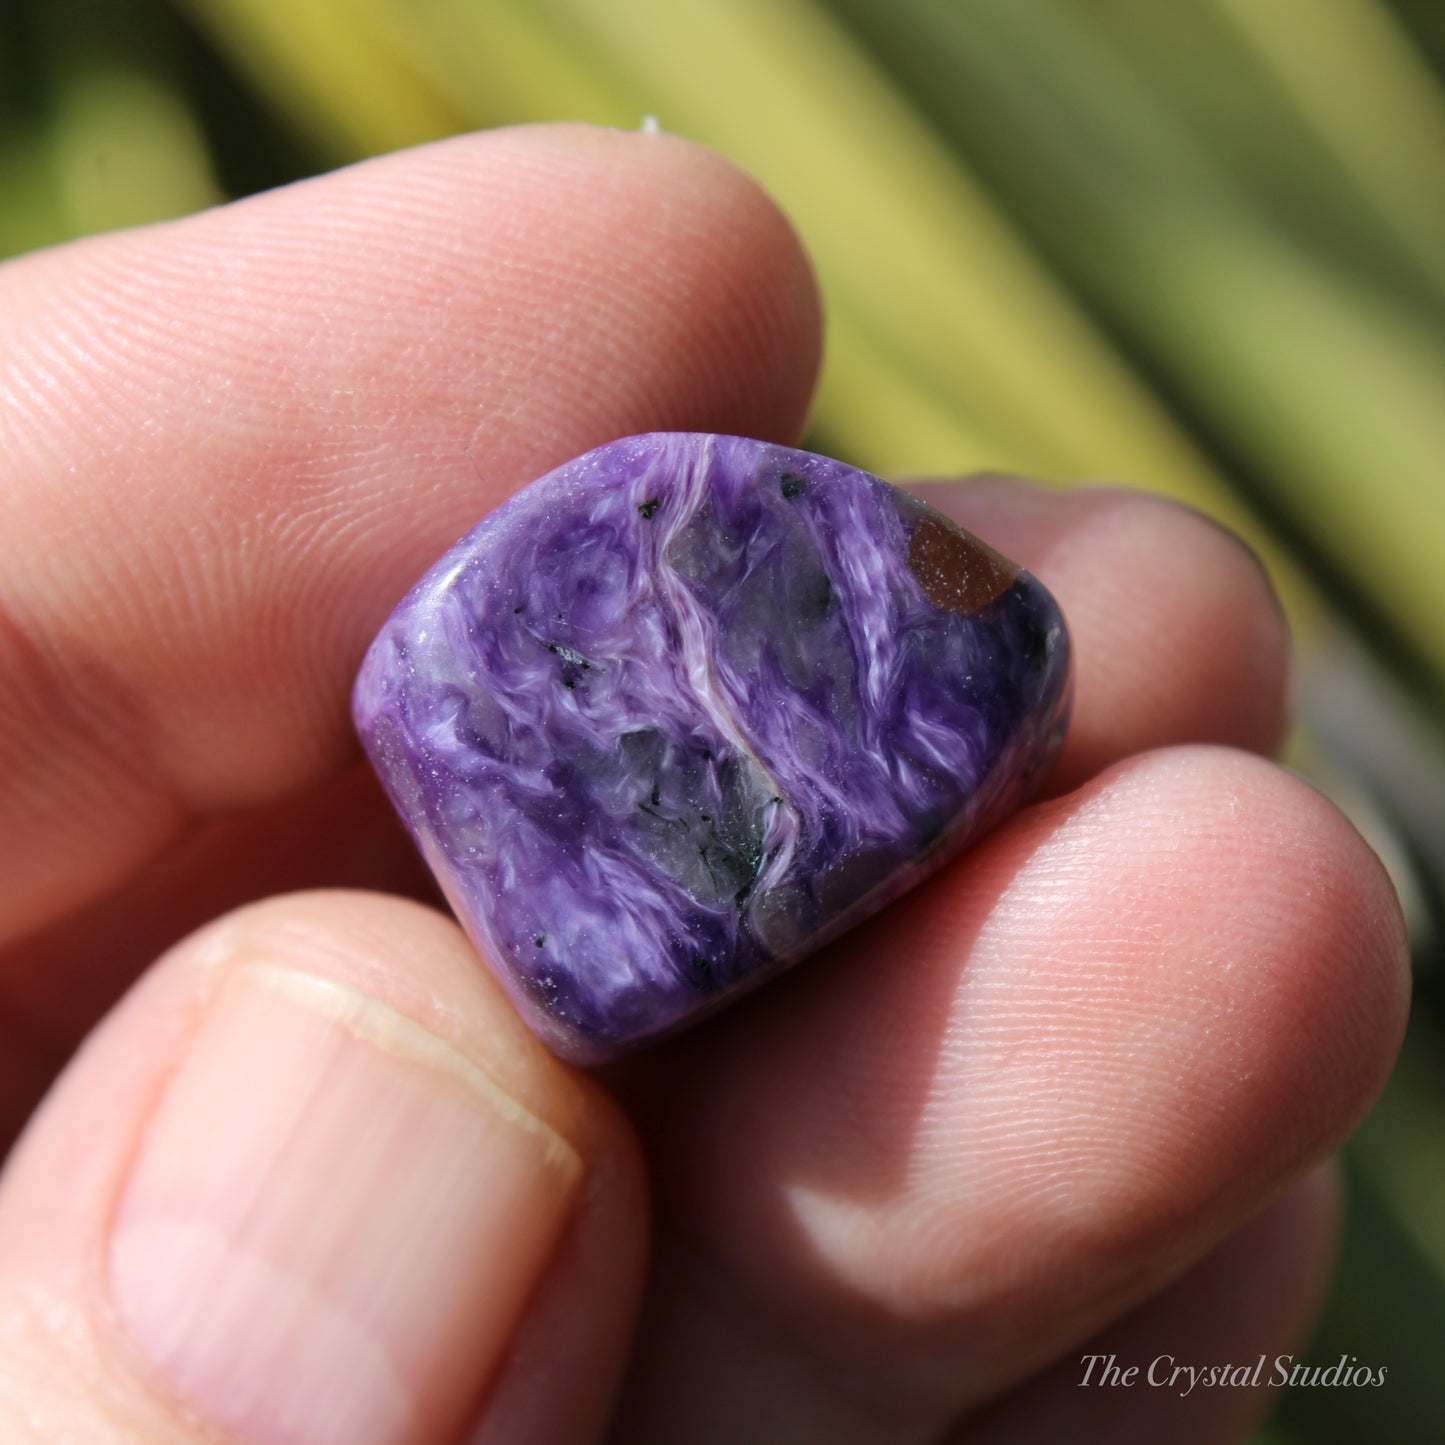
(689, 707)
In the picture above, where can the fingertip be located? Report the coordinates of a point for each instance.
(1348, 995)
(1278, 1006)
(727, 302)
(743, 278)
(311, 1179)
(1179, 636)
(1235, 925)
(1250, 1300)
(580, 1322)
(245, 434)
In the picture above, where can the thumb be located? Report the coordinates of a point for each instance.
(313, 1182)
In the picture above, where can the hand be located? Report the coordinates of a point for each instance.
(311, 1183)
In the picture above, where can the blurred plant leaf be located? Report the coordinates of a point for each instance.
(1330, 391)
(344, 71)
(924, 264)
(1370, 99)
(124, 150)
(1385, 1308)
(31, 211)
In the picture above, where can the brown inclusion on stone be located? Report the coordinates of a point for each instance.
(956, 571)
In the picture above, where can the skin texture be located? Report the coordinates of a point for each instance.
(1031, 1112)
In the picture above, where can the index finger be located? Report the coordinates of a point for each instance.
(233, 441)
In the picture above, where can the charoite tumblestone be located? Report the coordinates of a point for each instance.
(690, 706)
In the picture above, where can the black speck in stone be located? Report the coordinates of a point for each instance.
(701, 965)
(516, 609)
(791, 485)
(573, 663)
(815, 596)
(1035, 643)
(540, 939)
(656, 794)
(647, 508)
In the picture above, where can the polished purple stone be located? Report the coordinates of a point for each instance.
(690, 706)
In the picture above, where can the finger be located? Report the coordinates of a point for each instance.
(1024, 1099)
(1177, 634)
(1250, 1299)
(60, 981)
(232, 442)
(314, 1182)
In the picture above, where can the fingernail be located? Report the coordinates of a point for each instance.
(334, 1221)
